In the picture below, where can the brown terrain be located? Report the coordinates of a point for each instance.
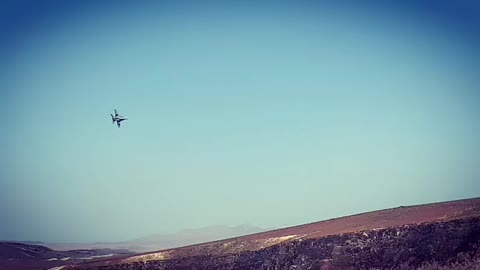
(19, 256)
(440, 234)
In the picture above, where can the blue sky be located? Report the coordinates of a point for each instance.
(266, 114)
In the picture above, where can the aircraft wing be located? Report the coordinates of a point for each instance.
(118, 123)
(116, 114)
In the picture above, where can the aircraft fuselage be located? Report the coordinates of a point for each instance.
(117, 118)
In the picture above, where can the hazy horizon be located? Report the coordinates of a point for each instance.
(211, 230)
(267, 114)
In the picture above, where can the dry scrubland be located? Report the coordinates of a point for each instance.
(434, 236)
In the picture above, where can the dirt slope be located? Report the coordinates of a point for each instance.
(406, 218)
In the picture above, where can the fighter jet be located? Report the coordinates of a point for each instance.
(117, 118)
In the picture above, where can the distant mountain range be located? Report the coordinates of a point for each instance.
(163, 241)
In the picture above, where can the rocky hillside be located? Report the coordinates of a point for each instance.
(442, 233)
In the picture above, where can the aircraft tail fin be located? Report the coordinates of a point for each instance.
(113, 121)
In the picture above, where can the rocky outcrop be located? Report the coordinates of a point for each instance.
(413, 244)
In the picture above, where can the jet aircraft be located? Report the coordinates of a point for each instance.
(117, 118)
